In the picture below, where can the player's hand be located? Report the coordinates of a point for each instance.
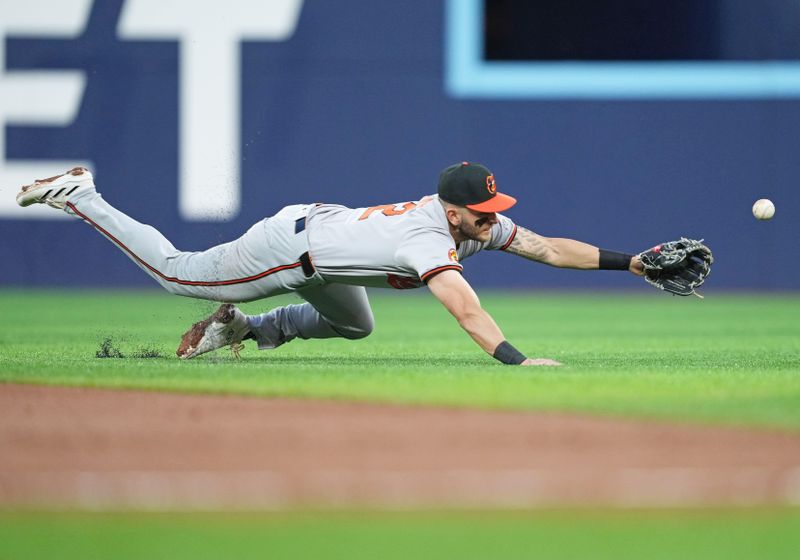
(540, 362)
(636, 267)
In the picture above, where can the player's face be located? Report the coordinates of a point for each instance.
(477, 225)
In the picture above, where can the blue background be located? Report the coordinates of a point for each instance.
(353, 109)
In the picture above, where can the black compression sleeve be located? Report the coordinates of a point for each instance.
(611, 260)
(508, 354)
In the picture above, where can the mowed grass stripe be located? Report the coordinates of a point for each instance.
(707, 534)
(730, 359)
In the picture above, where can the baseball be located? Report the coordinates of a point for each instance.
(763, 209)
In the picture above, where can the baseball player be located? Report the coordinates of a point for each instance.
(328, 254)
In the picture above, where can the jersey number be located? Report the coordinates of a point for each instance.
(389, 209)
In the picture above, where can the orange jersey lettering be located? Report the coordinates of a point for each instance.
(389, 209)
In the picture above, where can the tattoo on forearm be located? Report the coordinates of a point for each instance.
(529, 245)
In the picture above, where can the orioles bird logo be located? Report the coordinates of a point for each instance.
(490, 184)
(453, 256)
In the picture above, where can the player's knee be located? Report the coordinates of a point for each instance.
(361, 332)
(360, 328)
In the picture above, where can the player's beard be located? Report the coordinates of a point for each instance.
(475, 231)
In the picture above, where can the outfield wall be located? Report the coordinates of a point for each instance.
(350, 102)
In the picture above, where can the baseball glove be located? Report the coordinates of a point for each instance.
(678, 267)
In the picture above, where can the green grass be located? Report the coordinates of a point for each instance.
(728, 359)
(651, 535)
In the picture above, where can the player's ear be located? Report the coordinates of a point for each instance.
(453, 216)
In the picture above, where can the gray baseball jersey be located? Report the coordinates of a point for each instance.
(393, 245)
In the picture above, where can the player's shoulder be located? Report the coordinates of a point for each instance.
(429, 207)
(429, 214)
(429, 202)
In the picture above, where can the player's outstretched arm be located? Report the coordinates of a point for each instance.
(460, 299)
(569, 253)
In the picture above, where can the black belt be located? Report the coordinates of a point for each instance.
(305, 259)
(300, 223)
(305, 262)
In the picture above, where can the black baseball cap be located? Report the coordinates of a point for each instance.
(472, 185)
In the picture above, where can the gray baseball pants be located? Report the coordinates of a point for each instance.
(263, 262)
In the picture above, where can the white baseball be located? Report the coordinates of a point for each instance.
(763, 209)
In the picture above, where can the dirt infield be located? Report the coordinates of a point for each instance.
(92, 448)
